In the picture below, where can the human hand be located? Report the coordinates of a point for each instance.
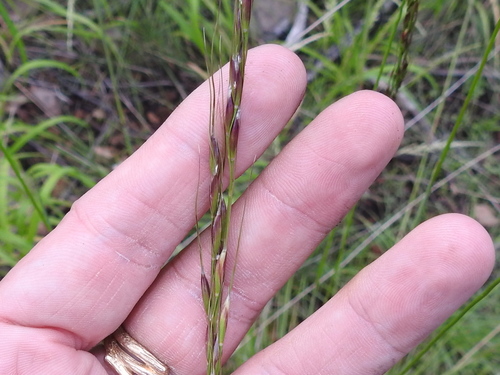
(102, 266)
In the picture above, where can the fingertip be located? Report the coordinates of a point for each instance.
(364, 129)
(384, 110)
(472, 244)
(276, 80)
(281, 60)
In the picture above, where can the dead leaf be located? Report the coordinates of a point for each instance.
(485, 214)
(105, 152)
(273, 18)
(47, 100)
(153, 118)
(99, 114)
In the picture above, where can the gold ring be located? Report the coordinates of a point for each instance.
(128, 357)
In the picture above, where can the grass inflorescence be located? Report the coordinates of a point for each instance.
(222, 164)
(401, 67)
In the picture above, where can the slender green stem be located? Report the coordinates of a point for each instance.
(387, 51)
(460, 118)
(450, 324)
(346, 230)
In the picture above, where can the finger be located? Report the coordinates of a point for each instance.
(389, 307)
(288, 210)
(85, 277)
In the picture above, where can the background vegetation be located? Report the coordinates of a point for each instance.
(83, 84)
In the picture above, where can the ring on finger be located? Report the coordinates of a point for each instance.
(128, 357)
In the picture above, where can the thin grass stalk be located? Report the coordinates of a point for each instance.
(450, 324)
(387, 51)
(423, 165)
(399, 72)
(109, 51)
(458, 123)
(348, 224)
(222, 163)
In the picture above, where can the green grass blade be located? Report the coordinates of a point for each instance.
(40, 128)
(36, 64)
(53, 174)
(14, 32)
(189, 31)
(31, 196)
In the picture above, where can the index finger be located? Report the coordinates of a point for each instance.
(85, 277)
